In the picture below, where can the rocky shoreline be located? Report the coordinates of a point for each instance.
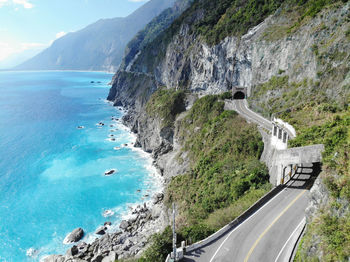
(131, 238)
(129, 241)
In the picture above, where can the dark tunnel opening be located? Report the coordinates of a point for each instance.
(239, 95)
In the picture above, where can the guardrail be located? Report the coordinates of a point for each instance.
(255, 207)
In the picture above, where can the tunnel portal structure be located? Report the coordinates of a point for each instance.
(239, 92)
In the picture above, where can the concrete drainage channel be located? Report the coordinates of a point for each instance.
(180, 252)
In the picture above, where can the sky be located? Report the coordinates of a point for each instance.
(27, 26)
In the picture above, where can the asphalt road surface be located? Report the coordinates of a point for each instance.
(262, 236)
(241, 107)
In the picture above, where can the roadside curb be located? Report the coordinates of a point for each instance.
(295, 247)
(255, 207)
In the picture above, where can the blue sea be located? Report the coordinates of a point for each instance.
(52, 173)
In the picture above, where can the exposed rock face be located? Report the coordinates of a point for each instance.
(188, 62)
(54, 258)
(319, 195)
(74, 236)
(246, 61)
(101, 230)
(128, 242)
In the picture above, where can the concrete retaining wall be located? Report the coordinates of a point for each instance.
(281, 159)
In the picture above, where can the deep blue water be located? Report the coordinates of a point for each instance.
(52, 173)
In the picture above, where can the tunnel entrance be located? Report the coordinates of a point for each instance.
(239, 95)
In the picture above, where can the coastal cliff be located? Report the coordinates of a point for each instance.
(294, 62)
(293, 58)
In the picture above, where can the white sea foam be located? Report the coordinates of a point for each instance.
(108, 213)
(32, 252)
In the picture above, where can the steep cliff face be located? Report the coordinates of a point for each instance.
(295, 62)
(267, 50)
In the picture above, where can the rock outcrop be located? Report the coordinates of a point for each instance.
(74, 236)
(129, 241)
(188, 62)
(185, 61)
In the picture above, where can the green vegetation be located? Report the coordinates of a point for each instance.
(225, 178)
(318, 119)
(152, 30)
(332, 225)
(226, 18)
(302, 104)
(213, 21)
(296, 13)
(166, 104)
(160, 247)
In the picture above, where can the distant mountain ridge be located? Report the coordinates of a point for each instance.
(99, 46)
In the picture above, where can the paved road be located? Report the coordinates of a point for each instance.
(241, 106)
(263, 235)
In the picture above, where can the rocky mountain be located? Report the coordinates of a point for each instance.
(292, 56)
(99, 46)
(18, 58)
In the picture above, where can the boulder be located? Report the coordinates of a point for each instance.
(133, 219)
(72, 251)
(110, 172)
(101, 230)
(156, 211)
(128, 244)
(158, 198)
(124, 225)
(97, 258)
(54, 258)
(112, 256)
(108, 223)
(74, 236)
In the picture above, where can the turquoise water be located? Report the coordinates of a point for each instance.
(52, 173)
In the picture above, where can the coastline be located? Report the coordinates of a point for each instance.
(38, 71)
(139, 220)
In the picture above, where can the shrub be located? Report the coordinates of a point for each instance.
(166, 104)
(161, 246)
(223, 151)
(196, 232)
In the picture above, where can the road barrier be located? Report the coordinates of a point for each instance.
(255, 207)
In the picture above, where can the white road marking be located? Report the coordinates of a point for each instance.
(270, 201)
(280, 253)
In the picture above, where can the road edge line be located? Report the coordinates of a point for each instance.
(273, 222)
(247, 219)
(285, 244)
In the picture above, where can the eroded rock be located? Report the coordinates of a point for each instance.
(74, 236)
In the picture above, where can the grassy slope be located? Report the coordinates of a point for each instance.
(319, 110)
(226, 177)
(212, 21)
(210, 133)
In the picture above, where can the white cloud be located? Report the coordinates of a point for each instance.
(27, 46)
(7, 49)
(25, 3)
(60, 34)
(3, 2)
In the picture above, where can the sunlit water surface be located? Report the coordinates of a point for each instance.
(51, 172)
